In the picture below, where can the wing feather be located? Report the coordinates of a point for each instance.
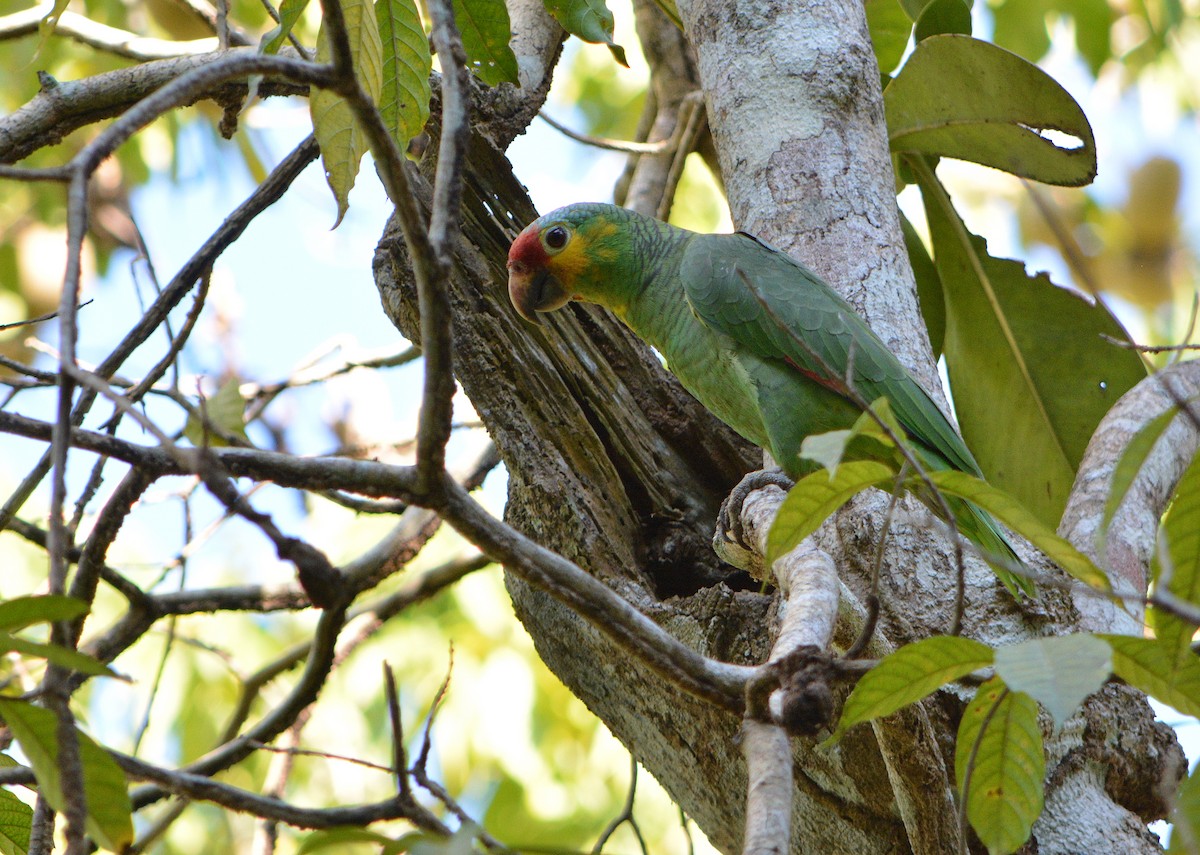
(777, 308)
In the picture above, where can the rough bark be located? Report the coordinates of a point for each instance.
(614, 466)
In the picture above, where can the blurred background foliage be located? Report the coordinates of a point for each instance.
(520, 753)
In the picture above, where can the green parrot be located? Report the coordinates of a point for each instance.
(757, 337)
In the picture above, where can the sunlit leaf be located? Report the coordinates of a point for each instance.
(290, 12)
(590, 20)
(909, 674)
(961, 97)
(890, 29)
(1029, 368)
(63, 656)
(1165, 673)
(404, 100)
(998, 758)
(827, 449)
(1179, 550)
(48, 24)
(342, 141)
(225, 411)
(1131, 460)
(21, 612)
(943, 16)
(815, 497)
(108, 806)
(1185, 817)
(1058, 672)
(1016, 516)
(16, 819)
(484, 26)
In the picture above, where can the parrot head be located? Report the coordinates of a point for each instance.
(562, 256)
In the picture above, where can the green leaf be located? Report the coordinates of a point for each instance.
(960, 97)
(1165, 673)
(16, 820)
(21, 612)
(48, 25)
(1004, 783)
(815, 497)
(225, 411)
(342, 141)
(1131, 460)
(1057, 672)
(1179, 550)
(289, 13)
(1185, 817)
(1030, 372)
(108, 807)
(827, 449)
(913, 8)
(909, 674)
(943, 16)
(72, 659)
(890, 29)
(929, 286)
(485, 35)
(404, 100)
(1016, 516)
(590, 20)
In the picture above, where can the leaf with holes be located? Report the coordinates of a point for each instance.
(1057, 672)
(486, 32)
(104, 784)
(1030, 369)
(909, 674)
(590, 20)
(815, 497)
(1016, 516)
(1167, 674)
(342, 141)
(998, 761)
(404, 100)
(1179, 551)
(961, 97)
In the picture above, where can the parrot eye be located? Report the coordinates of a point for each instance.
(556, 238)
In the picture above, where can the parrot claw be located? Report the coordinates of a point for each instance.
(729, 520)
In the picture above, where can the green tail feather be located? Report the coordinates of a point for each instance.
(978, 526)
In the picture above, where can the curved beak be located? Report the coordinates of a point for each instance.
(533, 291)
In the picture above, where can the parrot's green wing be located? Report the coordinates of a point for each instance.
(778, 309)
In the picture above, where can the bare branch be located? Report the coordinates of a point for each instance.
(103, 37)
(1125, 549)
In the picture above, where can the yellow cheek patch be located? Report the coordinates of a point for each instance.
(586, 248)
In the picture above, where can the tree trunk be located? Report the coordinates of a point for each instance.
(615, 467)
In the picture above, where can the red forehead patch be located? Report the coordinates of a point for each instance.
(527, 248)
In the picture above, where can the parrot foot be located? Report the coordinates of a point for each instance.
(729, 520)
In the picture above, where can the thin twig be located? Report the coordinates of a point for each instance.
(46, 317)
(625, 815)
(623, 146)
(1149, 348)
(399, 755)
